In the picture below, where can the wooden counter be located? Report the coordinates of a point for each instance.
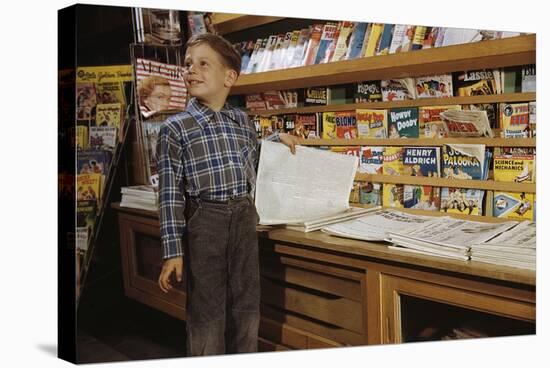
(323, 291)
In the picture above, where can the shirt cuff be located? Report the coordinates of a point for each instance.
(172, 247)
(273, 137)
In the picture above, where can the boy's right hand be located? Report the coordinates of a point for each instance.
(169, 266)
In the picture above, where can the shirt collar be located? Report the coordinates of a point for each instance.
(202, 113)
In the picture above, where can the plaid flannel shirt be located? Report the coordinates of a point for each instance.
(205, 153)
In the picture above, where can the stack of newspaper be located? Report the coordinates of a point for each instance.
(447, 237)
(143, 197)
(515, 247)
(318, 223)
(376, 226)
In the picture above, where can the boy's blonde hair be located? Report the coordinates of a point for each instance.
(229, 56)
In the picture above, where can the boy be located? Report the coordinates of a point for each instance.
(207, 160)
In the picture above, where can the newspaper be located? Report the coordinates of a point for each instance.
(349, 214)
(464, 123)
(308, 185)
(522, 236)
(376, 226)
(454, 233)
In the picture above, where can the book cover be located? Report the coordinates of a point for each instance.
(398, 89)
(462, 201)
(372, 123)
(422, 161)
(474, 83)
(514, 119)
(421, 197)
(370, 193)
(514, 206)
(403, 122)
(346, 124)
(160, 87)
(463, 161)
(356, 41)
(86, 100)
(435, 86)
(430, 124)
(329, 125)
(103, 137)
(393, 161)
(371, 160)
(392, 195)
(367, 92)
(108, 115)
(514, 168)
(343, 41)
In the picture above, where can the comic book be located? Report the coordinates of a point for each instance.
(306, 126)
(392, 195)
(108, 115)
(372, 123)
(490, 108)
(462, 201)
(373, 40)
(533, 118)
(313, 45)
(371, 160)
(514, 168)
(103, 137)
(397, 38)
(463, 161)
(301, 45)
(461, 123)
(88, 187)
(329, 125)
(393, 161)
(385, 40)
(434, 86)
(315, 96)
(160, 87)
(81, 137)
(93, 161)
(516, 206)
(407, 40)
(346, 124)
(327, 36)
(514, 120)
(86, 100)
(403, 123)
(475, 83)
(255, 102)
(274, 100)
(418, 37)
(347, 150)
(370, 193)
(110, 92)
(367, 92)
(422, 197)
(398, 89)
(430, 124)
(421, 161)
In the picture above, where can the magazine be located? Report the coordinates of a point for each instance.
(461, 123)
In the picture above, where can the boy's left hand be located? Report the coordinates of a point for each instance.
(289, 140)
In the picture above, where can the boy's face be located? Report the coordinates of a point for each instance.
(206, 77)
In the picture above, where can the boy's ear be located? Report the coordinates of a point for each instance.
(230, 78)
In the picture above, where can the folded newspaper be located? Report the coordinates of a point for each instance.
(349, 214)
(309, 185)
(447, 236)
(376, 226)
(466, 123)
(515, 247)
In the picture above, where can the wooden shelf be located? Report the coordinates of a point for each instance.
(464, 100)
(485, 54)
(444, 182)
(228, 23)
(433, 142)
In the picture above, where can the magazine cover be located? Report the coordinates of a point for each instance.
(160, 87)
(103, 137)
(108, 115)
(393, 161)
(306, 126)
(421, 197)
(346, 124)
(434, 86)
(329, 125)
(86, 100)
(367, 92)
(161, 26)
(398, 89)
(370, 194)
(463, 161)
(462, 201)
(403, 123)
(514, 168)
(514, 120)
(371, 160)
(475, 83)
(422, 161)
(515, 206)
(430, 124)
(393, 195)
